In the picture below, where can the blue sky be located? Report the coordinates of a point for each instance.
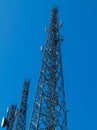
(22, 33)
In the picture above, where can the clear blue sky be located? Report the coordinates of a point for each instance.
(22, 33)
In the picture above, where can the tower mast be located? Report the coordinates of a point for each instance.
(21, 112)
(49, 109)
(8, 122)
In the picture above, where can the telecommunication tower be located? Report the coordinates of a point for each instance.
(17, 117)
(49, 109)
(8, 122)
(21, 112)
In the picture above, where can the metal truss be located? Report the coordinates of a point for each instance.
(11, 117)
(21, 113)
(49, 109)
(8, 122)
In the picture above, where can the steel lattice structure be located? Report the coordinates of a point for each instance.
(8, 121)
(10, 117)
(49, 109)
(21, 113)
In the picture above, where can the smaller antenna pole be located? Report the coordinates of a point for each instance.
(8, 122)
(21, 115)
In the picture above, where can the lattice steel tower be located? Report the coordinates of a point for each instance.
(11, 117)
(21, 112)
(49, 109)
(8, 121)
